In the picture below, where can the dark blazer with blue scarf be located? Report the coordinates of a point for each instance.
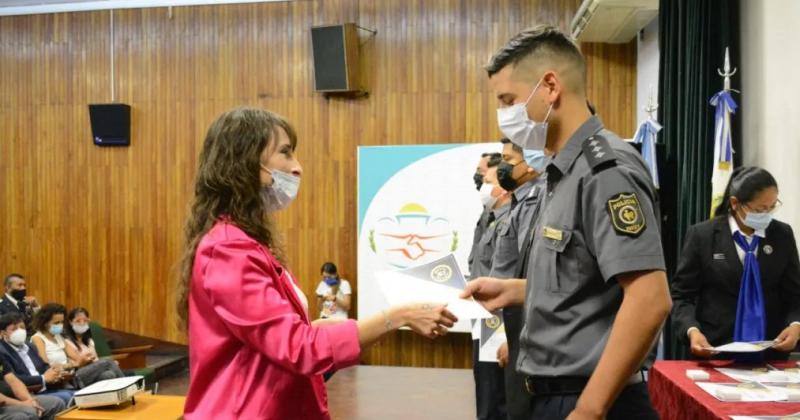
(14, 362)
(705, 288)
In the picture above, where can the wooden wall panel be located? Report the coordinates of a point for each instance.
(101, 227)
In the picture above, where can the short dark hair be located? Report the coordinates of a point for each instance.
(514, 146)
(494, 160)
(542, 42)
(46, 315)
(329, 267)
(11, 318)
(746, 182)
(7, 281)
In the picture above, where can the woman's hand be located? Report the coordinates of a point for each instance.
(787, 339)
(699, 345)
(428, 319)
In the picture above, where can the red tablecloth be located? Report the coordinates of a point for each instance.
(675, 396)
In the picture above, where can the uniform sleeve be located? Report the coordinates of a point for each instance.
(620, 223)
(686, 286)
(345, 288)
(247, 298)
(791, 283)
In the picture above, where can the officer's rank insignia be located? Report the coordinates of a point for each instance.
(441, 273)
(626, 214)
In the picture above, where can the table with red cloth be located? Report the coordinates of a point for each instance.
(675, 396)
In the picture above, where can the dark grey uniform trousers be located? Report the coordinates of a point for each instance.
(490, 395)
(632, 404)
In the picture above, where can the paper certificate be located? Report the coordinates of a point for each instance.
(743, 392)
(741, 347)
(439, 281)
(795, 416)
(493, 335)
(763, 375)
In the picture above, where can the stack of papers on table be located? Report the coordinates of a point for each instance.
(744, 392)
(789, 417)
(767, 374)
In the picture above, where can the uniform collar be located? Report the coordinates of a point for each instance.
(500, 211)
(566, 157)
(522, 192)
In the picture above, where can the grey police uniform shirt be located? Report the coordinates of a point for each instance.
(512, 232)
(480, 227)
(598, 220)
(485, 250)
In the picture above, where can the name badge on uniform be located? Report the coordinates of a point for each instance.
(719, 256)
(554, 234)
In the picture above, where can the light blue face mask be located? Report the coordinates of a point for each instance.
(56, 329)
(758, 221)
(536, 160)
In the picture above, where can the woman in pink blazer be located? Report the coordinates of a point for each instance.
(253, 352)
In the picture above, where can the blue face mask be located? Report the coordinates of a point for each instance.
(56, 329)
(758, 221)
(536, 160)
(331, 281)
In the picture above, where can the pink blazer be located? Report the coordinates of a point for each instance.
(253, 353)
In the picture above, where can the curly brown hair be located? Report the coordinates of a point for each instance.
(228, 184)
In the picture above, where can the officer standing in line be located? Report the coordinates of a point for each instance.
(520, 173)
(490, 397)
(596, 294)
(480, 226)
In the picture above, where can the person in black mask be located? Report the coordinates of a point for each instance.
(16, 299)
(480, 171)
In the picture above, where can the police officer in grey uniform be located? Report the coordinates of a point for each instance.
(489, 385)
(482, 222)
(518, 173)
(596, 293)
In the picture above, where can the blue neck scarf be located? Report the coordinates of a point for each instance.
(750, 317)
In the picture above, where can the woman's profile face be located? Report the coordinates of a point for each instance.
(279, 155)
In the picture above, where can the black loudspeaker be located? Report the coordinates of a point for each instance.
(111, 124)
(335, 49)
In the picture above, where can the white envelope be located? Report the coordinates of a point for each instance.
(399, 288)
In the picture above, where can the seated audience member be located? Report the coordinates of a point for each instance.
(17, 300)
(333, 293)
(82, 354)
(24, 361)
(738, 277)
(16, 403)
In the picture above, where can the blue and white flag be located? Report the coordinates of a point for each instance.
(723, 146)
(646, 136)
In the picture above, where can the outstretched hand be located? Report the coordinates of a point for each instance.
(429, 319)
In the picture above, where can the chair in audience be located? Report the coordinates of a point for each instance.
(131, 359)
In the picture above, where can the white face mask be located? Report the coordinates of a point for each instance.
(80, 328)
(282, 192)
(18, 337)
(486, 195)
(521, 130)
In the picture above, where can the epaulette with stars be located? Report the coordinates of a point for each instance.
(598, 153)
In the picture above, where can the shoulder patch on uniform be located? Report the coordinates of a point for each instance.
(598, 152)
(626, 214)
